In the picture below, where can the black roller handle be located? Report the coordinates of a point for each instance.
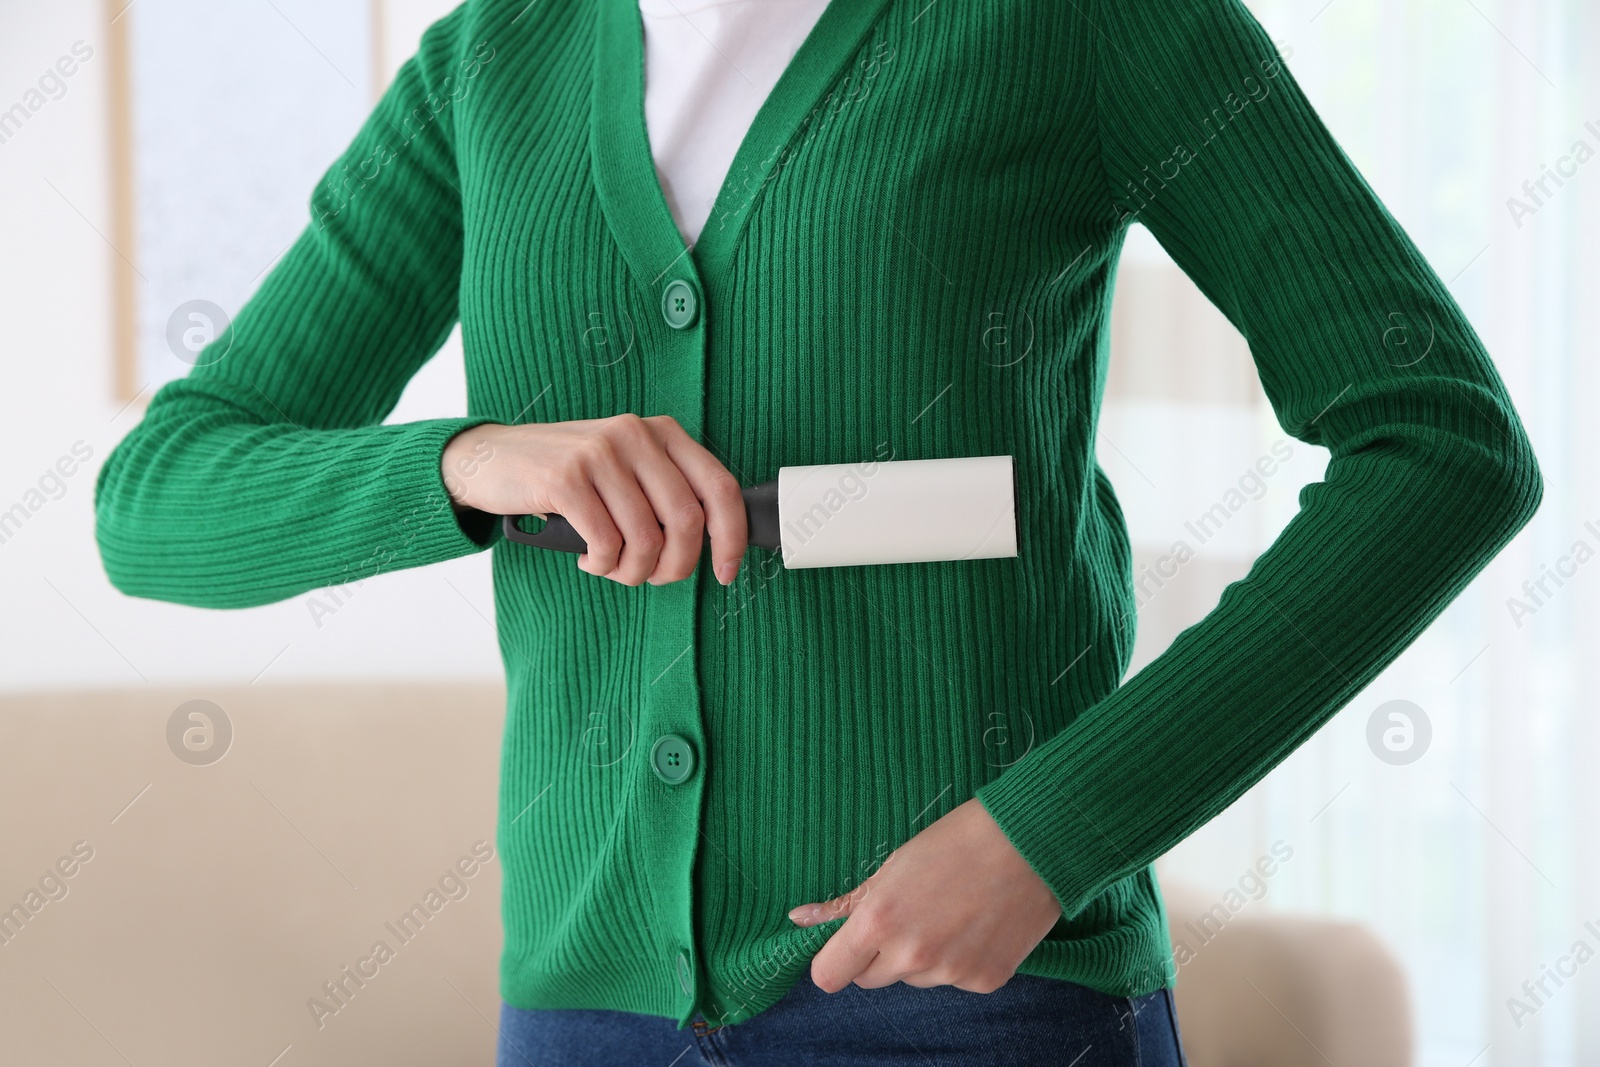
(760, 509)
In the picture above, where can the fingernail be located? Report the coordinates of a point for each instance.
(726, 571)
(804, 914)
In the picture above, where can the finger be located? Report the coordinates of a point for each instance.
(718, 492)
(923, 979)
(882, 970)
(678, 513)
(635, 519)
(641, 536)
(828, 910)
(850, 950)
(930, 979)
(582, 507)
(847, 954)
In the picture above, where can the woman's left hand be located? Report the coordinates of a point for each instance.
(955, 905)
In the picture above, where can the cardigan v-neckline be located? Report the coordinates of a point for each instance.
(619, 143)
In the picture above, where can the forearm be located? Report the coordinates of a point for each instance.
(209, 504)
(1397, 529)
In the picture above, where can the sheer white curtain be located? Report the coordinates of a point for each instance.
(1476, 860)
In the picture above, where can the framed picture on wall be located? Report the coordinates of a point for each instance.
(224, 117)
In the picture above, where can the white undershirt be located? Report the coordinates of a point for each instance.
(709, 64)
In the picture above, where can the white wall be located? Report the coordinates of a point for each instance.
(63, 624)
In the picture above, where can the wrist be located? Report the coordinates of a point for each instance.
(464, 456)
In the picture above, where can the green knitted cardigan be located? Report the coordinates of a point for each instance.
(922, 175)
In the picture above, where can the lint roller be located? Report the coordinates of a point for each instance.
(854, 514)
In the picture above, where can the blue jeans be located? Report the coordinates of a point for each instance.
(1028, 1021)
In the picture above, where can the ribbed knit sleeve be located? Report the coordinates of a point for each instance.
(1360, 348)
(265, 472)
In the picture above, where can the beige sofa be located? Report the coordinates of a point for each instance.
(1281, 991)
(178, 908)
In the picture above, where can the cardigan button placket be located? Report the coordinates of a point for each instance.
(678, 756)
(687, 287)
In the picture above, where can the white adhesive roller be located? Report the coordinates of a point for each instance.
(898, 511)
(853, 514)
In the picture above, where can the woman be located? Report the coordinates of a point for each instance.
(758, 816)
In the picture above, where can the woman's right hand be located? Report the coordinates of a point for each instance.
(640, 491)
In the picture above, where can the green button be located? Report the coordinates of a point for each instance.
(679, 305)
(672, 759)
